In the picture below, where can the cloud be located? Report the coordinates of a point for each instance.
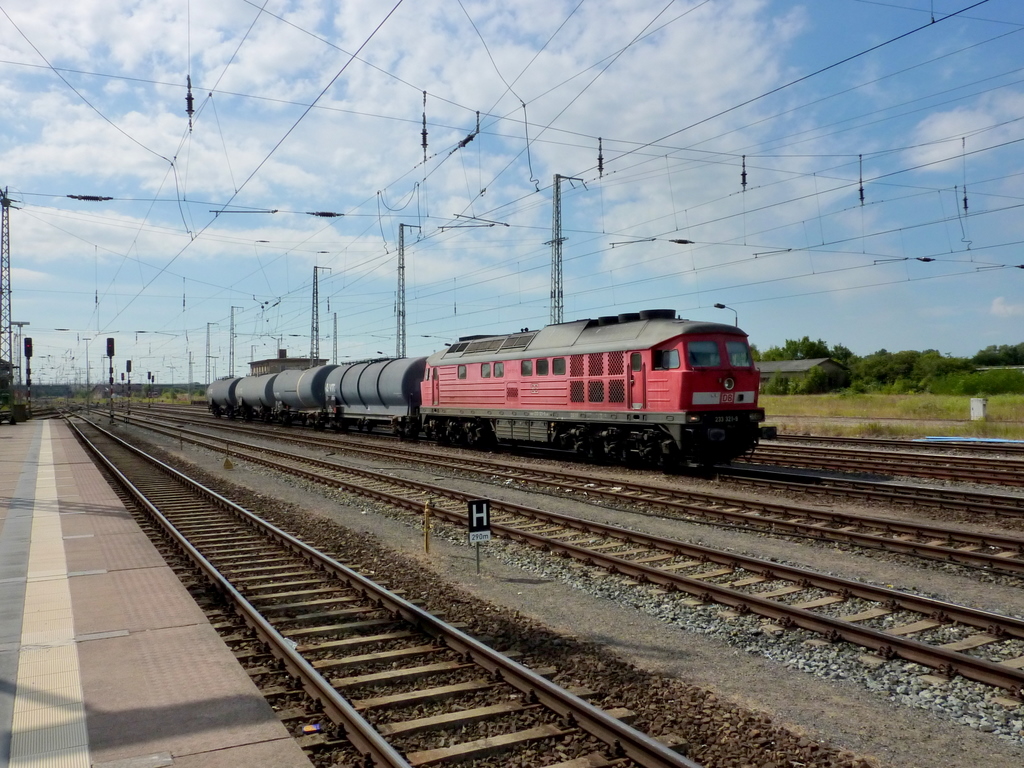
(1001, 308)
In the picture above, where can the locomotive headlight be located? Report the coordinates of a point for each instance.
(729, 384)
(693, 418)
(757, 416)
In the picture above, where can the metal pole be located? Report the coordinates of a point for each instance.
(88, 386)
(557, 292)
(6, 350)
(111, 362)
(400, 302)
(426, 526)
(556, 251)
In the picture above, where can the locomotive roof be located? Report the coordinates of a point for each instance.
(578, 337)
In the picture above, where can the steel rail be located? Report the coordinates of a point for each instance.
(629, 492)
(632, 743)
(887, 645)
(951, 444)
(359, 732)
(976, 469)
(943, 498)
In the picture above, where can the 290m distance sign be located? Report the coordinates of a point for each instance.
(479, 520)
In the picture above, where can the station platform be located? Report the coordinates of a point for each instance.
(105, 659)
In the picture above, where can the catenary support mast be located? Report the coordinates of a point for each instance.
(6, 349)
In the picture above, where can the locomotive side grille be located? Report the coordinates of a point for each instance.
(576, 366)
(518, 341)
(616, 391)
(488, 345)
(595, 392)
(511, 392)
(595, 365)
(616, 364)
(576, 391)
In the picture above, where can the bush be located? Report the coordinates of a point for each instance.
(815, 383)
(777, 385)
(982, 383)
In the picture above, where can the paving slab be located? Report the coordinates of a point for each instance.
(105, 659)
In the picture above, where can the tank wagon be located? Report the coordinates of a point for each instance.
(255, 396)
(222, 398)
(381, 392)
(360, 395)
(300, 394)
(640, 387)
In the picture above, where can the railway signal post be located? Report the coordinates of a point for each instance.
(110, 361)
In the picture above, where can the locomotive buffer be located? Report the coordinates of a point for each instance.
(479, 517)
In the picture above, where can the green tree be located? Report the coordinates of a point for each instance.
(1003, 354)
(802, 349)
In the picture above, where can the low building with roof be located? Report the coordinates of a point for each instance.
(798, 370)
(283, 363)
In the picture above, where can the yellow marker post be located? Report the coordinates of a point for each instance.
(426, 526)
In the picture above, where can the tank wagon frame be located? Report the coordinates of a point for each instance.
(638, 387)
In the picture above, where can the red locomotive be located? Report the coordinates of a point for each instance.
(640, 386)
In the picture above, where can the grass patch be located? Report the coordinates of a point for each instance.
(896, 416)
(900, 430)
(1008, 408)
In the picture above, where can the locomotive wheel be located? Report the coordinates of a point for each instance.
(478, 435)
(670, 461)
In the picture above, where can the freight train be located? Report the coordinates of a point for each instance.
(640, 387)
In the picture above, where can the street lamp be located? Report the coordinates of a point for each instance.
(734, 312)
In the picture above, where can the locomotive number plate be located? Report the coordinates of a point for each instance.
(726, 419)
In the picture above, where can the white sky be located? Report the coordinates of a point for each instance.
(316, 106)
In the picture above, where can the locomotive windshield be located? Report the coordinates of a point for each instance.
(703, 354)
(739, 354)
(665, 359)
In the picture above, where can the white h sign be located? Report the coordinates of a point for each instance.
(479, 520)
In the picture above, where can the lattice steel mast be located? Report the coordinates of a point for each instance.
(314, 330)
(231, 352)
(557, 299)
(6, 350)
(557, 294)
(400, 301)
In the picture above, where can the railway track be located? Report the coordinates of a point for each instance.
(931, 446)
(952, 639)
(367, 656)
(972, 469)
(966, 501)
(990, 551)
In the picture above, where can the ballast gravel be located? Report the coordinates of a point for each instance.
(786, 686)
